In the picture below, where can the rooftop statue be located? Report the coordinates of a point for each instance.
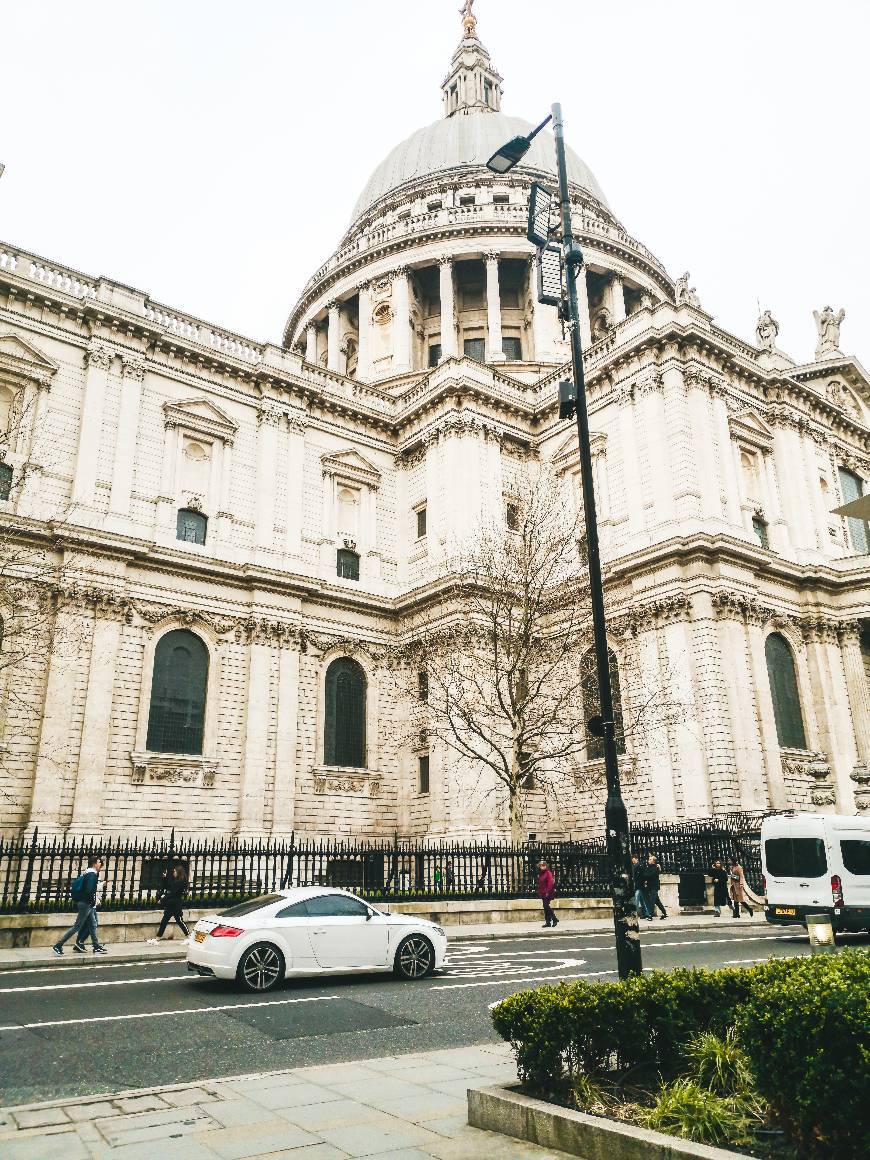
(469, 20)
(828, 326)
(684, 294)
(766, 330)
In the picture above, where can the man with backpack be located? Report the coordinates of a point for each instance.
(84, 895)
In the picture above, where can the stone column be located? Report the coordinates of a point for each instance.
(701, 444)
(859, 705)
(98, 361)
(364, 352)
(628, 424)
(87, 812)
(652, 418)
(788, 455)
(253, 780)
(434, 508)
(493, 308)
(616, 297)
(295, 445)
(778, 525)
(36, 405)
(655, 739)
(283, 807)
(449, 348)
(401, 322)
(543, 319)
(53, 758)
(583, 308)
(685, 743)
(225, 514)
(132, 374)
(311, 343)
(818, 514)
(333, 338)
(743, 714)
(730, 479)
(268, 419)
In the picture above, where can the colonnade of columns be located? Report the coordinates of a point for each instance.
(544, 322)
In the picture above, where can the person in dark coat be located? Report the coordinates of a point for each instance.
(546, 893)
(173, 890)
(653, 875)
(719, 876)
(638, 877)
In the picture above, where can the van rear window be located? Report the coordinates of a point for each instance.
(856, 856)
(795, 857)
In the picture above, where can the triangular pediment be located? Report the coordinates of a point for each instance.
(567, 455)
(200, 415)
(353, 465)
(751, 428)
(20, 356)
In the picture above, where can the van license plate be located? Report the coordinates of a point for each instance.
(784, 910)
(199, 935)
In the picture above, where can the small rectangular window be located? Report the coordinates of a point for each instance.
(512, 516)
(856, 856)
(421, 522)
(423, 685)
(466, 199)
(347, 564)
(5, 481)
(433, 205)
(500, 199)
(423, 773)
(434, 354)
(191, 526)
(513, 348)
(475, 348)
(760, 529)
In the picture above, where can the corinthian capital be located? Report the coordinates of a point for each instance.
(99, 355)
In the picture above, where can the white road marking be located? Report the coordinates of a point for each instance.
(103, 966)
(504, 982)
(94, 983)
(515, 967)
(158, 1014)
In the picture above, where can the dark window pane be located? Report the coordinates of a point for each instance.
(5, 480)
(592, 706)
(191, 526)
(784, 692)
(760, 529)
(856, 855)
(513, 348)
(178, 687)
(434, 354)
(852, 487)
(512, 515)
(297, 910)
(250, 906)
(423, 686)
(475, 348)
(423, 763)
(344, 741)
(335, 906)
(421, 522)
(795, 857)
(347, 564)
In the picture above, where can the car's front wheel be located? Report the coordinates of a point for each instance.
(415, 958)
(261, 967)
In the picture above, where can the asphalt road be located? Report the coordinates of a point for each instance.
(67, 1031)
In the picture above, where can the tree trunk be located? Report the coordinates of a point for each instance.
(516, 813)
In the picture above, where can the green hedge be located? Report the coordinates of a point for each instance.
(803, 1022)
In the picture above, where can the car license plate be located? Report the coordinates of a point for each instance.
(199, 935)
(784, 910)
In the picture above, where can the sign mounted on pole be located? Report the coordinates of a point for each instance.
(540, 208)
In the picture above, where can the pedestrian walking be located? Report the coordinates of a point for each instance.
(173, 892)
(437, 877)
(547, 892)
(449, 876)
(737, 888)
(84, 894)
(638, 877)
(653, 876)
(719, 876)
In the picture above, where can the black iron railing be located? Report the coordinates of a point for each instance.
(36, 874)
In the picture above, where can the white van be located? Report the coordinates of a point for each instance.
(816, 864)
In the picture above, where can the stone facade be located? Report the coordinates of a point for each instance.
(418, 371)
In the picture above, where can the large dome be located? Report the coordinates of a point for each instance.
(467, 140)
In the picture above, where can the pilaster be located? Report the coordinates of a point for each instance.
(132, 375)
(493, 308)
(449, 346)
(283, 807)
(252, 787)
(401, 322)
(98, 363)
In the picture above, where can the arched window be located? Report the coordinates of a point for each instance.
(5, 480)
(344, 735)
(178, 687)
(784, 692)
(592, 707)
(191, 526)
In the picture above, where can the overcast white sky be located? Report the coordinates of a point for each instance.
(210, 153)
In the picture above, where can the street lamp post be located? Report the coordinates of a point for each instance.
(628, 953)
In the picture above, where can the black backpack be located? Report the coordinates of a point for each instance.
(77, 890)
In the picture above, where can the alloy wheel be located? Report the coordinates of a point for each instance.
(415, 957)
(261, 968)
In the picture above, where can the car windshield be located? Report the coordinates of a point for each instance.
(251, 905)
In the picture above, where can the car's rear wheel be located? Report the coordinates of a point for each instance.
(261, 967)
(415, 958)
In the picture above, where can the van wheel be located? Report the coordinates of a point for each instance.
(261, 967)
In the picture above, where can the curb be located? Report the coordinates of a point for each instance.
(177, 955)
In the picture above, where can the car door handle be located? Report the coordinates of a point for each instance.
(318, 932)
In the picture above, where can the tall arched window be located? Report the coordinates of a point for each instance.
(784, 692)
(178, 687)
(592, 707)
(344, 735)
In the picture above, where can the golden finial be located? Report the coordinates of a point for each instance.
(469, 20)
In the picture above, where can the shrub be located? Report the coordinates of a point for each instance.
(807, 1035)
(690, 1110)
(720, 1065)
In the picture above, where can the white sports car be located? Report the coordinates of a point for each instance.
(308, 931)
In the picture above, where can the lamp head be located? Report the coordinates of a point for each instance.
(507, 156)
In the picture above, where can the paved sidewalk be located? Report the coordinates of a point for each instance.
(408, 1107)
(20, 958)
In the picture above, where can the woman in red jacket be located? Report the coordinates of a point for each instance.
(546, 893)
